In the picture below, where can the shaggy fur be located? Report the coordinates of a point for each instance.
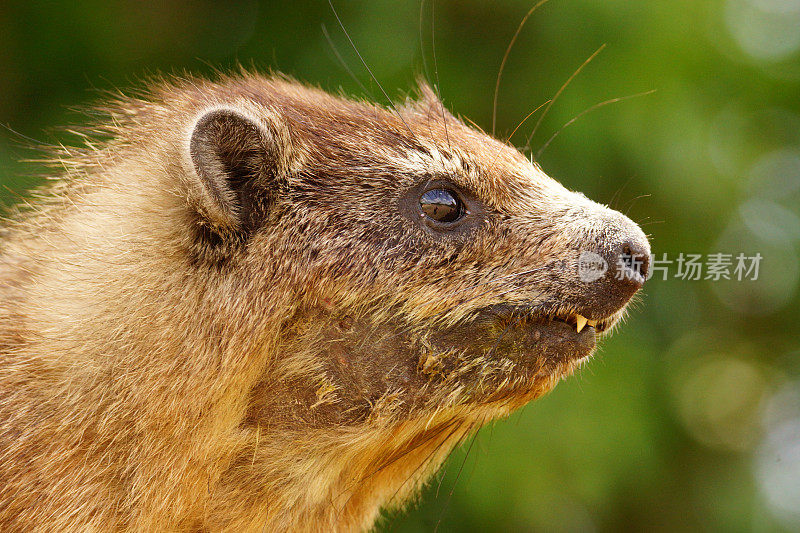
(223, 318)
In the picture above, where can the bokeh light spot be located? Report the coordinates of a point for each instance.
(765, 29)
(718, 399)
(778, 456)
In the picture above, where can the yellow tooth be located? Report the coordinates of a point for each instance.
(581, 321)
(592, 323)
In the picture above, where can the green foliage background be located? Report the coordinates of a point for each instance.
(689, 417)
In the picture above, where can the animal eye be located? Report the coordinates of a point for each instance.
(442, 205)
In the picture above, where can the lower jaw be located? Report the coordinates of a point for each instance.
(518, 362)
(383, 371)
(544, 346)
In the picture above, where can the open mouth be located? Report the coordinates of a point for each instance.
(580, 322)
(508, 349)
(544, 339)
(510, 314)
(497, 353)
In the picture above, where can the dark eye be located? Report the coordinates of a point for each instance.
(441, 205)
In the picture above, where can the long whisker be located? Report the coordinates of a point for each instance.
(369, 70)
(436, 72)
(499, 150)
(424, 441)
(505, 58)
(589, 110)
(526, 118)
(630, 205)
(558, 93)
(651, 222)
(458, 476)
(422, 41)
(430, 457)
(344, 64)
(613, 201)
(31, 143)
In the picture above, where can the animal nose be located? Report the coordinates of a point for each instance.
(630, 262)
(615, 265)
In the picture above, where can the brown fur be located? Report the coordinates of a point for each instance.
(177, 358)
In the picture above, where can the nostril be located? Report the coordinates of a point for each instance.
(635, 259)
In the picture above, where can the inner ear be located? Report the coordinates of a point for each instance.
(235, 160)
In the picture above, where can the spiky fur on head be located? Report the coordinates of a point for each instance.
(167, 365)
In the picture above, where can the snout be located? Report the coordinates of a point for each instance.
(613, 262)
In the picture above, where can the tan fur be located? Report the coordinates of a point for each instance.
(289, 380)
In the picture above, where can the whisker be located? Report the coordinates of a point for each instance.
(652, 222)
(619, 191)
(421, 40)
(369, 70)
(630, 205)
(34, 143)
(499, 150)
(424, 441)
(525, 119)
(458, 476)
(503, 63)
(436, 72)
(344, 64)
(427, 461)
(596, 106)
(558, 93)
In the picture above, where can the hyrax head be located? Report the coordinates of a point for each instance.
(405, 255)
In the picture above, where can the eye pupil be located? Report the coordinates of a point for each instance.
(441, 205)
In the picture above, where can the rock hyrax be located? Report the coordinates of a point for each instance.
(255, 306)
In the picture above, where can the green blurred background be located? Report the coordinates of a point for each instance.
(689, 417)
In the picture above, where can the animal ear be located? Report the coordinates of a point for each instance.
(236, 161)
